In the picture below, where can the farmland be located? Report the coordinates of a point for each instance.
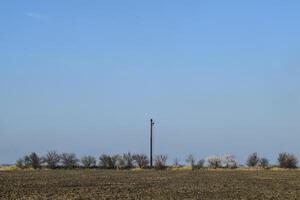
(149, 184)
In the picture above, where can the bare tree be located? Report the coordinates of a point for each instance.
(214, 161)
(52, 158)
(264, 163)
(190, 160)
(160, 161)
(252, 160)
(33, 160)
(141, 160)
(88, 161)
(128, 160)
(229, 161)
(287, 160)
(69, 160)
(106, 161)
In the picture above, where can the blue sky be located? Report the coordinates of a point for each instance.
(86, 76)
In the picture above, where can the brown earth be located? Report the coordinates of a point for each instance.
(148, 184)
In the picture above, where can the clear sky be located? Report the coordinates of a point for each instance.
(85, 76)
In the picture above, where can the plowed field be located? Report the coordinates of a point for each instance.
(148, 184)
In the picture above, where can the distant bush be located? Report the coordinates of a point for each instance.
(88, 161)
(264, 163)
(20, 163)
(52, 159)
(106, 162)
(119, 162)
(214, 161)
(190, 160)
(141, 160)
(32, 160)
(160, 161)
(116, 161)
(69, 160)
(287, 160)
(128, 160)
(27, 162)
(252, 160)
(200, 163)
(229, 161)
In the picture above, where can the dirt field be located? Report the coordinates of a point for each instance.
(197, 184)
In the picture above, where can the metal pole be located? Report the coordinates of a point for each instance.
(151, 143)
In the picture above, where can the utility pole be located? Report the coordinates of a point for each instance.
(151, 142)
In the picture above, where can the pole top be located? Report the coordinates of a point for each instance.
(151, 120)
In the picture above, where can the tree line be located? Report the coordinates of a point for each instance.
(54, 160)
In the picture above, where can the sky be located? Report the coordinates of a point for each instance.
(86, 76)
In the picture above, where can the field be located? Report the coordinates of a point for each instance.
(148, 184)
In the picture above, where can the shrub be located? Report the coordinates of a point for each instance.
(20, 163)
(229, 161)
(190, 160)
(119, 162)
(287, 160)
(114, 159)
(33, 160)
(88, 161)
(252, 160)
(264, 163)
(128, 160)
(52, 158)
(27, 162)
(214, 162)
(69, 160)
(200, 163)
(113, 162)
(141, 160)
(106, 161)
(160, 161)
(36, 161)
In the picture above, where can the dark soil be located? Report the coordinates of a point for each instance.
(148, 184)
